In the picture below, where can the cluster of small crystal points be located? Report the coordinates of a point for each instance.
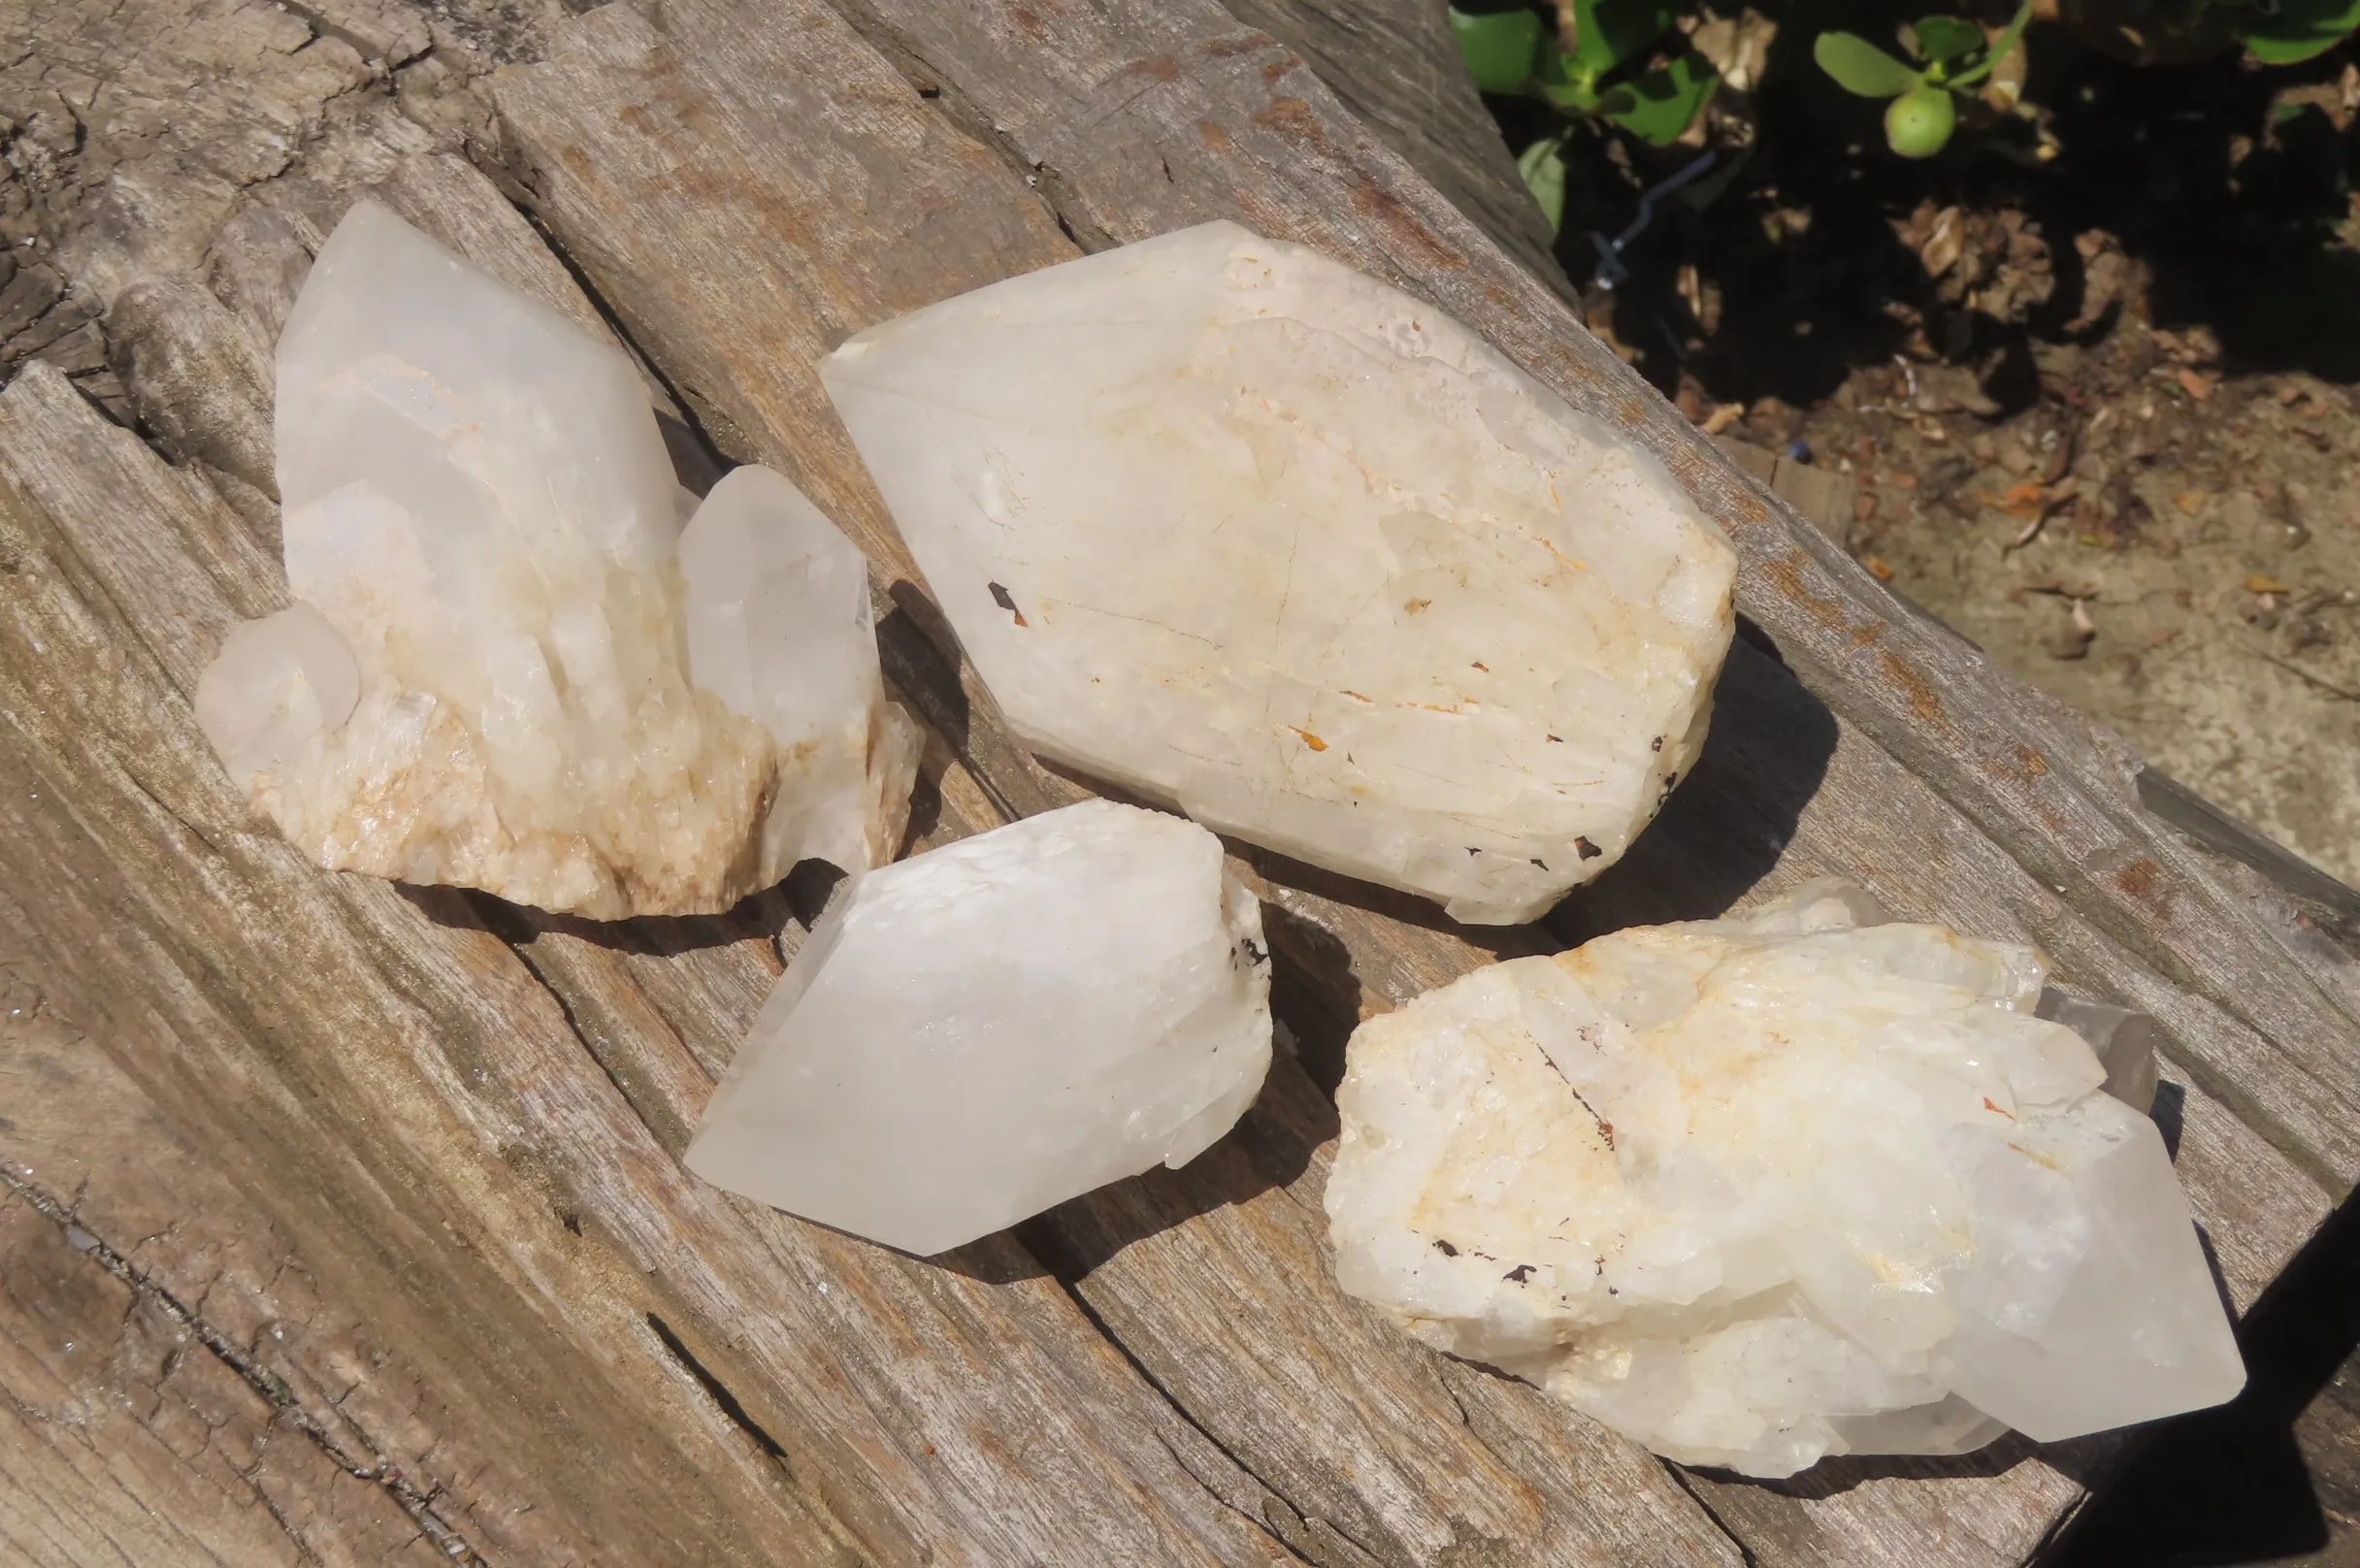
(1258, 538)
(507, 666)
(1759, 1189)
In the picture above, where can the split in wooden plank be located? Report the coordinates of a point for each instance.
(725, 309)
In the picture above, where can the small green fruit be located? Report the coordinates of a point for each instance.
(1918, 123)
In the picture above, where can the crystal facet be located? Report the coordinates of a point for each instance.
(984, 1030)
(486, 677)
(780, 628)
(1759, 1189)
(1242, 530)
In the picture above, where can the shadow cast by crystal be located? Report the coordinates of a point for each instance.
(1271, 1145)
(2232, 1485)
(1838, 1474)
(766, 914)
(1727, 823)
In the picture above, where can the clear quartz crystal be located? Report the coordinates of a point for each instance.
(984, 1030)
(1244, 531)
(486, 677)
(780, 629)
(1791, 1184)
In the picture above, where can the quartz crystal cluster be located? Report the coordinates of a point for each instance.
(1759, 1189)
(1245, 532)
(987, 1030)
(509, 666)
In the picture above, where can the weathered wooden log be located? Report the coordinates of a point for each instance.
(467, 1115)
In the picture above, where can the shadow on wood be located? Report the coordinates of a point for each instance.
(1725, 825)
(2231, 1485)
(1833, 1477)
(1273, 1146)
(797, 900)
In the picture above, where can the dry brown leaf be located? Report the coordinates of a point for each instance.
(2026, 500)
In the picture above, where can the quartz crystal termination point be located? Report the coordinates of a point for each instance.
(1759, 1189)
(984, 1030)
(780, 628)
(501, 670)
(1242, 530)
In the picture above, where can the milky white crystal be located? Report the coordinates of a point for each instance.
(987, 1030)
(1244, 531)
(1759, 1189)
(507, 666)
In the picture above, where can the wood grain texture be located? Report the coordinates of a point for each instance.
(1395, 64)
(1362, 1450)
(266, 1426)
(119, 1445)
(318, 1035)
(467, 1115)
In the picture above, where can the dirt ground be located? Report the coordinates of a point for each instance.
(2098, 396)
(2171, 550)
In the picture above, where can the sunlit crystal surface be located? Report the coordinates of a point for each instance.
(984, 1030)
(1764, 1189)
(1244, 531)
(486, 677)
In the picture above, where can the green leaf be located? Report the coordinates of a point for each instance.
(1543, 166)
(1664, 103)
(1859, 66)
(2001, 46)
(1554, 81)
(1609, 32)
(1500, 49)
(1942, 40)
(2299, 31)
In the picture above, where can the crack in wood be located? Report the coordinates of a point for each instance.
(1680, 1478)
(1090, 1313)
(728, 1404)
(417, 1503)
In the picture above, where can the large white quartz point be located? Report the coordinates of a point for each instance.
(1244, 531)
(1760, 1190)
(987, 1030)
(781, 629)
(486, 678)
